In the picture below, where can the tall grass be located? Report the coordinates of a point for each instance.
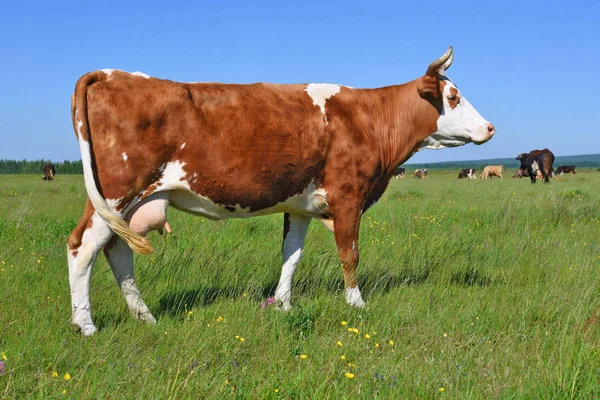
(474, 289)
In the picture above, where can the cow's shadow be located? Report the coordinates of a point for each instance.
(175, 303)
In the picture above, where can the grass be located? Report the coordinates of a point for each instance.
(487, 289)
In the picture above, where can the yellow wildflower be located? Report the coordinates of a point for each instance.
(339, 343)
(4, 356)
(442, 390)
(342, 357)
(54, 374)
(349, 375)
(353, 330)
(276, 390)
(367, 336)
(376, 344)
(227, 381)
(220, 319)
(64, 391)
(67, 376)
(391, 342)
(303, 356)
(344, 323)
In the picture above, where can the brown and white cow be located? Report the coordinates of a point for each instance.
(492, 170)
(319, 151)
(420, 173)
(469, 173)
(538, 164)
(48, 172)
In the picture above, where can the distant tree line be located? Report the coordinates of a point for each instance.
(35, 167)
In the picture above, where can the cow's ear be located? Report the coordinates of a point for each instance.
(428, 86)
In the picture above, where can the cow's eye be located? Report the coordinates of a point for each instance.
(452, 98)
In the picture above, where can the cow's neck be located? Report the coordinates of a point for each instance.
(396, 120)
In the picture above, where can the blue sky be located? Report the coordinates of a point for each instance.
(527, 66)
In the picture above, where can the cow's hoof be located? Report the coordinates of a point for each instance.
(85, 329)
(354, 298)
(283, 305)
(146, 317)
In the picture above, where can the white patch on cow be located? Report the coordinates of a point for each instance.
(291, 252)
(354, 298)
(535, 167)
(458, 126)
(182, 146)
(311, 202)
(108, 71)
(124, 156)
(143, 75)
(320, 93)
(173, 176)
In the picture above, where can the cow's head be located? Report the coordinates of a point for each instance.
(458, 122)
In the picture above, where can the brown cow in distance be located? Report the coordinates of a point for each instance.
(310, 151)
(566, 169)
(538, 164)
(492, 170)
(49, 172)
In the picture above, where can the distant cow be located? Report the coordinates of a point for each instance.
(467, 173)
(399, 172)
(49, 172)
(566, 169)
(537, 161)
(521, 172)
(420, 173)
(492, 170)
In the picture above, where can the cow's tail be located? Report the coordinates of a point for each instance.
(138, 243)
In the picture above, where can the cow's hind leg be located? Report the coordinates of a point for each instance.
(120, 258)
(294, 232)
(83, 246)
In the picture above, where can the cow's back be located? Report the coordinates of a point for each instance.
(252, 145)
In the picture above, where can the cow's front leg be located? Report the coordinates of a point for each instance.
(120, 258)
(294, 232)
(347, 224)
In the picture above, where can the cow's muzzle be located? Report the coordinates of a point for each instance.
(484, 133)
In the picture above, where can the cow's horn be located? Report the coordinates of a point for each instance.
(442, 63)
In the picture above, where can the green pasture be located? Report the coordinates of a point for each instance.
(474, 289)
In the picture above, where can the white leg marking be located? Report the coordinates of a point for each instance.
(354, 298)
(120, 258)
(80, 270)
(291, 252)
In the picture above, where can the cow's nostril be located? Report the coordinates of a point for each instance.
(491, 129)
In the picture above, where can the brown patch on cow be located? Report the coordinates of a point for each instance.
(74, 239)
(75, 253)
(453, 98)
